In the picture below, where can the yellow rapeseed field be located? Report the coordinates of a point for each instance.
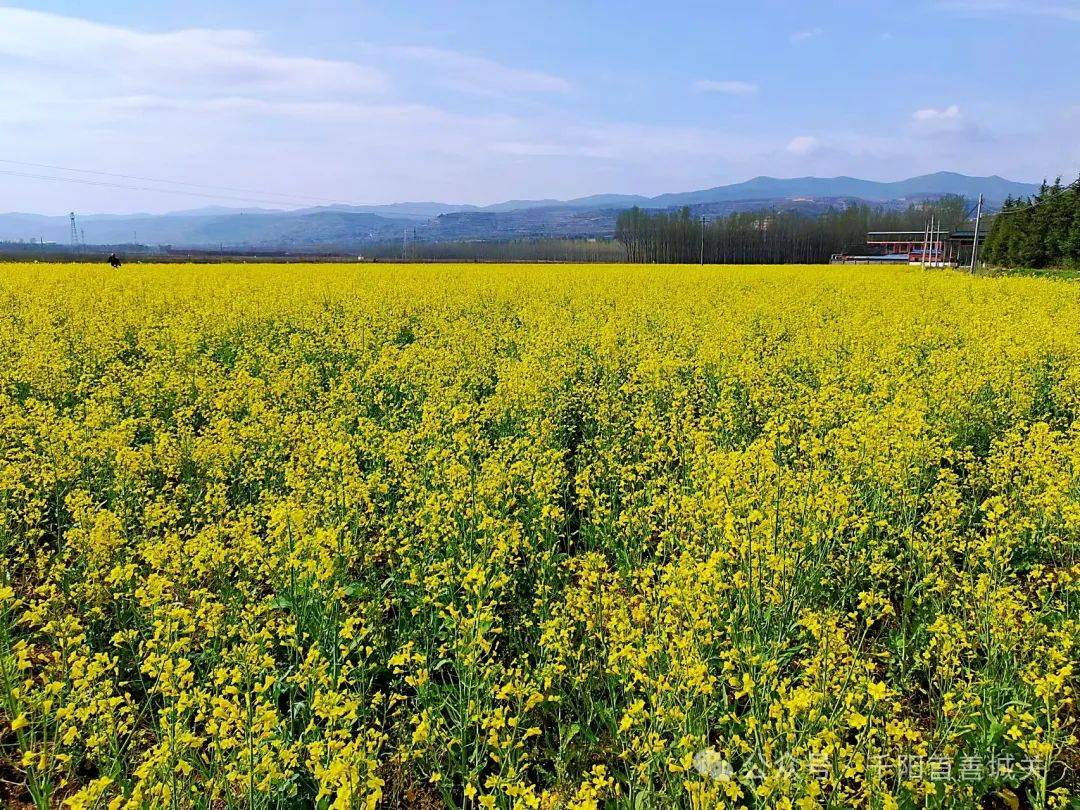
(537, 536)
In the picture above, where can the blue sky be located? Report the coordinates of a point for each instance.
(480, 102)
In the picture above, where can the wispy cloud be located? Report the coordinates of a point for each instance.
(1061, 9)
(473, 74)
(945, 119)
(190, 61)
(236, 107)
(802, 145)
(728, 88)
(226, 106)
(809, 33)
(950, 113)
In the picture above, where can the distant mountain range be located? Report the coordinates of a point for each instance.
(593, 216)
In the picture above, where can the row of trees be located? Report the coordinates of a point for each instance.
(1043, 231)
(771, 237)
(507, 250)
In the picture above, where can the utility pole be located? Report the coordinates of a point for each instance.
(405, 244)
(933, 236)
(925, 242)
(935, 231)
(975, 241)
(702, 240)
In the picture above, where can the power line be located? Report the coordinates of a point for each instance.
(1073, 186)
(257, 192)
(105, 184)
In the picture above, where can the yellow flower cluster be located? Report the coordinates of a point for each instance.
(558, 537)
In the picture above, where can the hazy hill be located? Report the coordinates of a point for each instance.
(354, 225)
(995, 188)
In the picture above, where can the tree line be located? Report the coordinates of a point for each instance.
(1039, 231)
(508, 250)
(772, 237)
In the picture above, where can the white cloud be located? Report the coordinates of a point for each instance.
(729, 87)
(191, 62)
(1061, 9)
(950, 113)
(809, 33)
(802, 145)
(226, 108)
(932, 119)
(230, 108)
(473, 74)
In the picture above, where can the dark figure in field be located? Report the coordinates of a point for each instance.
(114, 260)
